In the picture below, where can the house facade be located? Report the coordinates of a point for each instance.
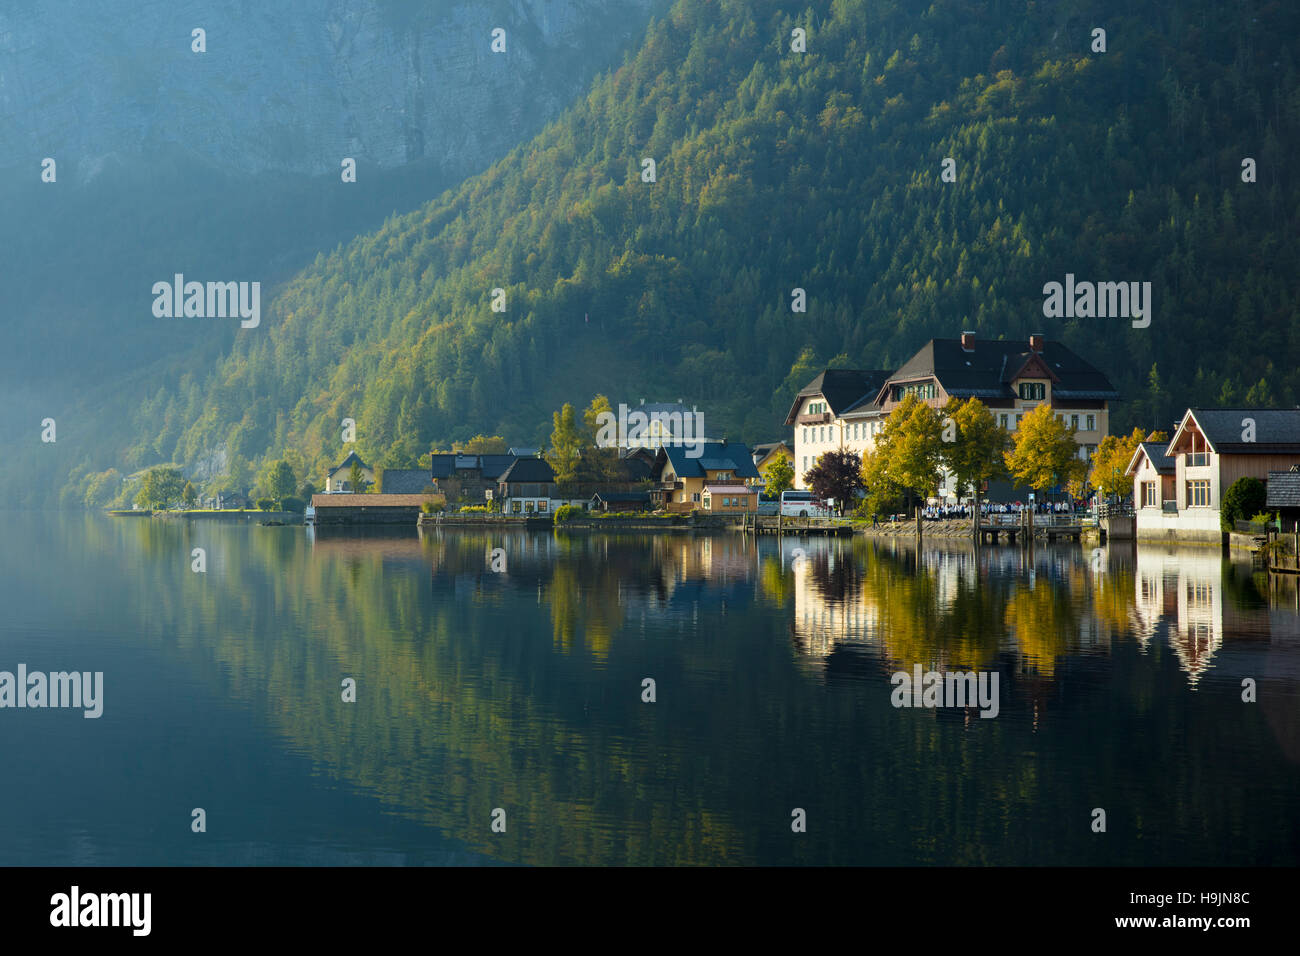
(527, 487)
(847, 408)
(682, 482)
(1211, 449)
(339, 479)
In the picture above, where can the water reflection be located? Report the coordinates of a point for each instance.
(505, 669)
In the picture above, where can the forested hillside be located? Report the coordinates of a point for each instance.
(820, 170)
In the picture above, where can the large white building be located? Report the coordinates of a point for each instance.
(846, 408)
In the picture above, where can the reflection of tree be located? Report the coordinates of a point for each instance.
(1042, 620)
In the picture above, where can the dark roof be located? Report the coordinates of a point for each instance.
(1283, 489)
(638, 496)
(1277, 430)
(489, 466)
(989, 368)
(843, 388)
(494, 465)
(347, 463)
(404, 481)
(636, 468)
(761, 451)
(1162, 463)
(529, 469)
(443, 466)
(733, 456)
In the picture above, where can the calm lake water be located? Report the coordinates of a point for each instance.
(1120, 683)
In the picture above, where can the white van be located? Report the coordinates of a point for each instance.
(803, 504)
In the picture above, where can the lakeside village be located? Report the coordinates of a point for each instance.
(1002, 429)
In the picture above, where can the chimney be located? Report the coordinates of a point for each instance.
(1036, 341)
(643, 401)
(968, 341)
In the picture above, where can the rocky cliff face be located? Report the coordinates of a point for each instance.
(296, 85)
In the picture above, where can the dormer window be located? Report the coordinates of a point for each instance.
(1033, 391)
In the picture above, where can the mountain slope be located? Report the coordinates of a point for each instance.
(820, 171)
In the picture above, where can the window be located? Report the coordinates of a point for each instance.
(1198, 493)
(1018, 418)
(695, 497)
(1033, 391)
(1149, 499)
(528, 506)
(805, 462)
(1198, 459)
(543, 505)
(724, 476)
(1002, 420)
(1074, 423)
(1091, 423)
(921, 390)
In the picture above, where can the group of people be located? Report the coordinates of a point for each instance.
(947, 512)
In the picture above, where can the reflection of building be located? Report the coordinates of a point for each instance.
(1183, 590)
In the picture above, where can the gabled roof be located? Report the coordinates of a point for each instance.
(989, 368)
(1277, 430)
(1283, 489)
(1155, 453)
(766, 448)
(347, 464)
(404, 481)
(731, 456)
(443, 466)
(528, 469)
(843, 388)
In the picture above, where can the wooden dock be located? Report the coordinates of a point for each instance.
(777, 524)
(1051, 527)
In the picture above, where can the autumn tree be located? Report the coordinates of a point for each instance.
(1045, 452)
(838, 475)
(567, 441)
(975, 446)
(908, 453)
(1111, 461)
(189, 494)
(779, 475)
(486, 445)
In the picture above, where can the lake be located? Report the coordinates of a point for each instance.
(501, 684)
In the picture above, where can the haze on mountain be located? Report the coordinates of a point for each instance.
(778, 170)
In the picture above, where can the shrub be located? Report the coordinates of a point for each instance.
(432, 507)
(296, 505)
(567, 513)
(475, 510)
(265, 504)
(1245, 497)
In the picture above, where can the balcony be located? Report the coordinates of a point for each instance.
(1198, 459)
(820, 418)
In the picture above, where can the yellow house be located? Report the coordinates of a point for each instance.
(684, 475)
(338, 480)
